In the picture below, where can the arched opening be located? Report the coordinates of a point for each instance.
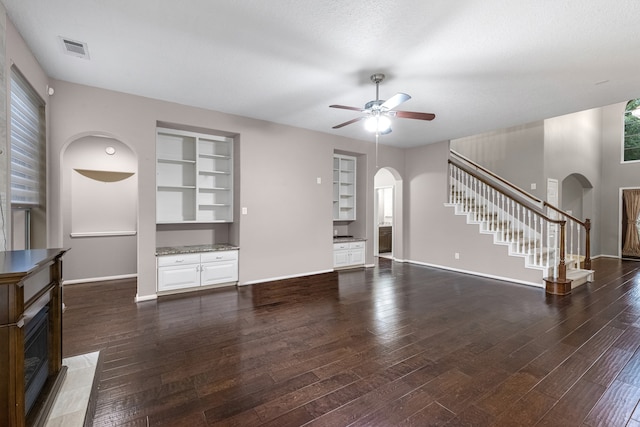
(387, 210)
(577, 193)
(99, 209)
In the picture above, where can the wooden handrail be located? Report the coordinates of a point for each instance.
(586, 224)
(523, 202)
(562, 267)
(496, 177)
(573, 218)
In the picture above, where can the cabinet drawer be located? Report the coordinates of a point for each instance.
(356, 245)
(219, 256)
(166, 260)
(340, 246)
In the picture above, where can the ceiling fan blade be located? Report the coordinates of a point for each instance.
(345, 107)
(414, 115)
(348, 123)
(395, 100)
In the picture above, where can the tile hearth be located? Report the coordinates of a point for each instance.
(71, 403)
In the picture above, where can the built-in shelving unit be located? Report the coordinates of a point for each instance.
(344, 187)
(194, 177)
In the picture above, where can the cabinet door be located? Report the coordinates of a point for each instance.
(340, 258)
(219, 272)
(178, 277)
(356, 256)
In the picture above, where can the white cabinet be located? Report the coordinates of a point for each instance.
(194, 177)
(348, 254)
(344, 188)
(193, 270)
(218, 267)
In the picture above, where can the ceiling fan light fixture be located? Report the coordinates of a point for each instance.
(379, 124)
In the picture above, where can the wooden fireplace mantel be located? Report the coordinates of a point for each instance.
(28, 279)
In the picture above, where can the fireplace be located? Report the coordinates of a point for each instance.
(31, 370)
(36, 356)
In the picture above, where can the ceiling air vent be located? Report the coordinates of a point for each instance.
(75, 48)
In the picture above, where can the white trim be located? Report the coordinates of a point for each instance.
(605, 256)
(103, 233)
(151, 297)
(99, 279)
(475, 273)
(293, 276)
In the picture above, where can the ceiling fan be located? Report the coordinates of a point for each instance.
(377, 113)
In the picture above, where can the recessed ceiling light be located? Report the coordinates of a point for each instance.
(74, 48)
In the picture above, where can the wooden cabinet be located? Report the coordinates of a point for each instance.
(30, 291)
(348, 254)
(194, 270)
(384, 239)
(344, 188)
(194, 177)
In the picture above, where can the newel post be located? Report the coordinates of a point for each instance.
(559, 285)
(587, 249)
(562, 268)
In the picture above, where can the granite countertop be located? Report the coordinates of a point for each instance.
(345, 239)
(174, 250)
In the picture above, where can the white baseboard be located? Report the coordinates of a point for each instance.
(293, 276)
(475, 273)
(99, 279)
(605, 256)
(145, 297)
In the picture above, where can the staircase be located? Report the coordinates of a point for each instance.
(547, 239)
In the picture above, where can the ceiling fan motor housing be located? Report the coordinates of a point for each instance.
(374, 105)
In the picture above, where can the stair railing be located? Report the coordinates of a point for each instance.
(514, 218)
(578, 232)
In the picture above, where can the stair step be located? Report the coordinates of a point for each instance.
(579, 276)
(531, 249)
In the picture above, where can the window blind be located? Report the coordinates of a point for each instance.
(27, 142)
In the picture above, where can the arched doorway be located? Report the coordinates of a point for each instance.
(99, 202)
(577, 196)
(387, 210)
(577, 200)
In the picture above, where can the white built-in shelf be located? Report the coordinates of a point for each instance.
(194, 177)
(344, 187)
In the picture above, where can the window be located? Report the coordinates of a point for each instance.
(631, 150)
(27, 157)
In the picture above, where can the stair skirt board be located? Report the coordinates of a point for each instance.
(578, 276)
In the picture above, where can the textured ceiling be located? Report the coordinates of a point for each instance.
(478, 65)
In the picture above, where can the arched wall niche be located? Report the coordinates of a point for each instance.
(99, 208)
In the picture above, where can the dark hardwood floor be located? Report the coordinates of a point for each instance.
(395, 345)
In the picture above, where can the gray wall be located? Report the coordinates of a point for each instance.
(615, 176)
(288, 227)
(516, 154)
(582, 149)
(433, 234)
(572, 147)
